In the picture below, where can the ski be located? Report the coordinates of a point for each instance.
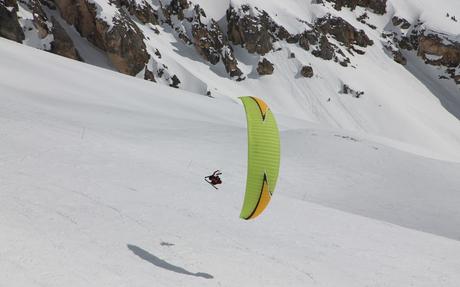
(210, 183)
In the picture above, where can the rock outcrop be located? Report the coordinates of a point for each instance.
(149, 75)
(265, 67)
(119, 37)
(231, 64)
(434, 48)
(141, 9)
(316, 39)
(9, 24)
(253, 29)
(250, 31)
(325, 49)
(363, 19)
(343, 31)
(82, 15)
(62, 44)
(175, 7)
(437, 51)
(124, 44)
(456, 78)
(211, 43)
(40, 20)
(206, 35)
(399, 58)
(403, 23)
(308, 38)
(208, 40)
(376, 6)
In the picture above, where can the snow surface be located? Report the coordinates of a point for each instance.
(101, 185)
(396, 104)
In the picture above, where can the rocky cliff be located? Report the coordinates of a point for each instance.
(116, 28)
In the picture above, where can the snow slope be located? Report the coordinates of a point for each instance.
(101, 185)
(398, 103)
(407, 104)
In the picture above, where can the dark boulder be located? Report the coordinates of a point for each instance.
(265, 67)
(174, 82)
(306, 71)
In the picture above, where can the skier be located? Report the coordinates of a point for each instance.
(214, 179)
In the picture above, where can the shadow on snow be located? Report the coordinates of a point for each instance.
(147, 256)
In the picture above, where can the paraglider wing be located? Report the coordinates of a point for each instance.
(263, 157)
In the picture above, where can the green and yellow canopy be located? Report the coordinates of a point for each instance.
(263, 157)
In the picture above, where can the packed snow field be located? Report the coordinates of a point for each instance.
(101, 181)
